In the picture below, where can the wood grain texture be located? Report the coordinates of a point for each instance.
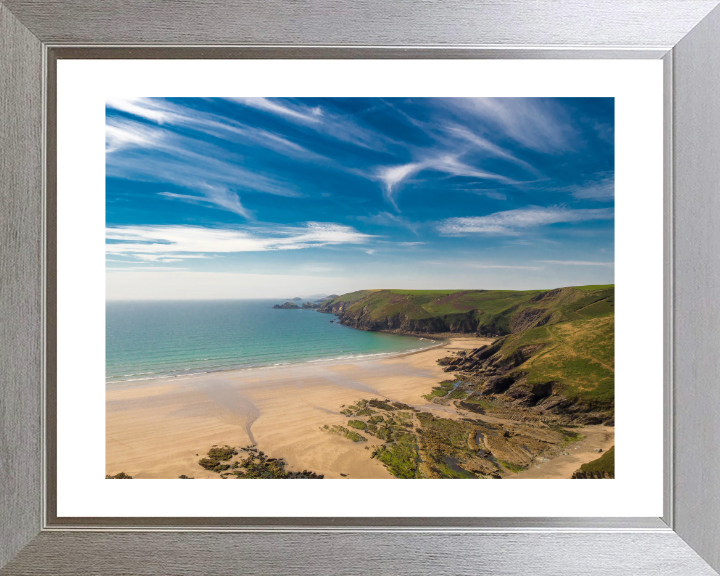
(20, 284)
(142, 554)
(363, 22)
(697, 288)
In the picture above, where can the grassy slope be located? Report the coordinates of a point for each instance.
(494, 308)
(578, 355)
(606, 463)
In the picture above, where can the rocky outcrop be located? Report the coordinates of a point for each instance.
(462, 323)
(286, 306)
(310, 305)
(529, 318)
(495, 375)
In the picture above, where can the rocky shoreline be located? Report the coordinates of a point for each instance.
(436, 327)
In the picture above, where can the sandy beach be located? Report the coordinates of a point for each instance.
(161, 428)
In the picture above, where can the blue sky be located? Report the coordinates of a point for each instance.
(273, 197)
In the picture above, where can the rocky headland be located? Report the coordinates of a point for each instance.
(286, 306)
(552, 358)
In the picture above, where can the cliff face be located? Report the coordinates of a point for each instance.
(400, 323)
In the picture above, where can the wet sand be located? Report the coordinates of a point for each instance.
(161, 428)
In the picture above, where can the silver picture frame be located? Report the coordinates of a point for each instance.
(685, 34)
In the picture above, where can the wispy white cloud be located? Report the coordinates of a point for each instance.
(162, 242)
(214, 196)
(514, 222)
(274, 106)
(390, 220)
(148, 108)
(343, 127)
(182, 160)
(506, 266)
(489, 147)
(450, 164)
(577, 263)
(601, 189)
(171, 114)
(122, 134)
(165, 257)
(536, 123)
(392, 176)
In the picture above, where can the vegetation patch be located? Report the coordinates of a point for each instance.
(346, 433)
(437, 392)
(400, 457)
(250, 463)
(512, 467)
(213, 465)
(603, 467)
(118, 476)
(569, 436)
(221, 453)
(381, 404)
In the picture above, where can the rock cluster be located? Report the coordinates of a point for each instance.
(250, 463)
(286, 306)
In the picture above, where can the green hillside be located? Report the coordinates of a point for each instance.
(574, 358)
(492, 312)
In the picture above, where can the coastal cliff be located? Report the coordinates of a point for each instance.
(490, 313)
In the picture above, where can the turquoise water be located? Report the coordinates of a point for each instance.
(162, 339)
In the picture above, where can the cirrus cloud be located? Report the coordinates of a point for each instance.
(162, 242)
(514, 222)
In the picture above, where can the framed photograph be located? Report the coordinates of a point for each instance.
(261, 243)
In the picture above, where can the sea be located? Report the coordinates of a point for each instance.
(155, 339)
